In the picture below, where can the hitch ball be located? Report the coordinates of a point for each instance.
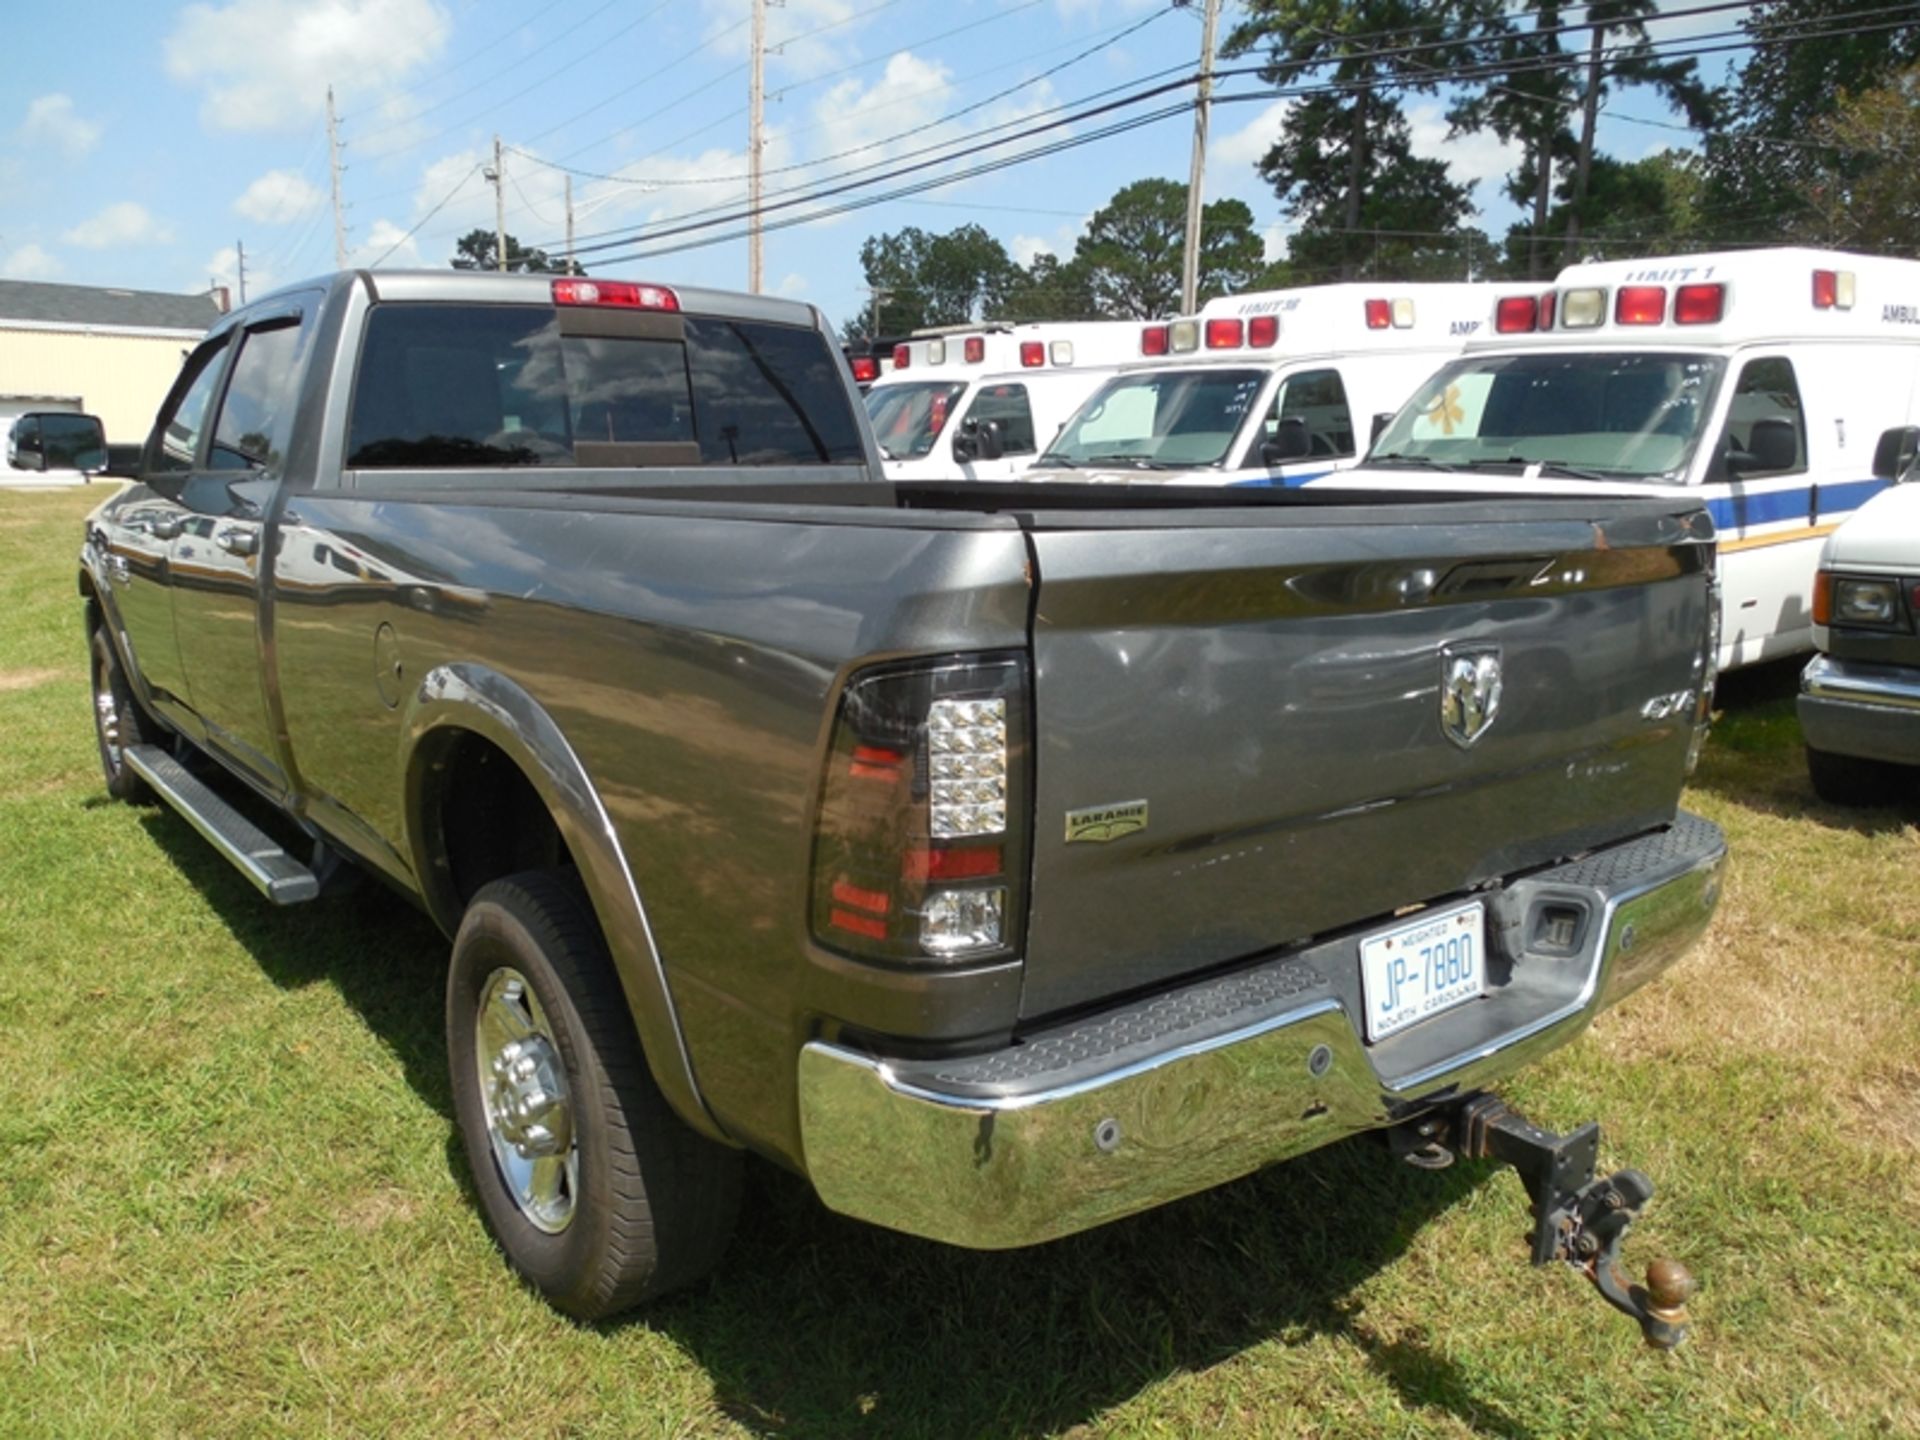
(1670, 1285)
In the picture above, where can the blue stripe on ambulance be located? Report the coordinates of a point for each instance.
(1767, 507)
(1279, 482)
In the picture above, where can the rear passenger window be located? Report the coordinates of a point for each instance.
(460, 386)
(1008, 404)
(1766, 426)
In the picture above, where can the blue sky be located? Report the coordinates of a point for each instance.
(139, 140)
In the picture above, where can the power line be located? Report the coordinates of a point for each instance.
(444, 201)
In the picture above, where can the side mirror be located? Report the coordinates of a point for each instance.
(1380, 422)
(1894, 456)
(1289, 443)
(979, 440)
(23, 444)
(51, 440)
(123, 461)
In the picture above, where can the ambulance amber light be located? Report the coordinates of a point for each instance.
(1640, 305)
(621, 294)
(976, 349)
(1263, 330)
(1223, 334)
(1516, 314)
(1032, 354)
(1699, 304)
(1154, 340)
(1823, 597)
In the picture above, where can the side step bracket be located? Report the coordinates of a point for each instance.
(254, 853)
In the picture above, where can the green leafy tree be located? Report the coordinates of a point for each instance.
(1049, 289)
(921, 279)
(1764, 180)
(476, 250)
(1132, 248)
(1861, 191)
(1650, 206)
(1343, 164)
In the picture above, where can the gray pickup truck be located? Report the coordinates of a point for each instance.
(1005, 859)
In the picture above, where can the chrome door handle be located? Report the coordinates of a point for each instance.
(237, 540)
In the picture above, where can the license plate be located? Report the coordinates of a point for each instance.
(1431, 963)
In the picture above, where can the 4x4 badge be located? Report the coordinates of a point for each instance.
(1106, 822)
(1470, 685)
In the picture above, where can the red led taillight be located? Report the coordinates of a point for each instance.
(1516, 314)
(1224, 334)
(1699, 304)
(1033, 354)
(1155, 340)
(1822, 597)
(619, 294)
(1379, 314)
(1263, 330)
(865, 368)
(1640, 305)
(920, 847)
(975, 348)
(902, 356)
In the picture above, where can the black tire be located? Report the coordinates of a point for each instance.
(1849, 780)
(117, 720)
(653, 1204)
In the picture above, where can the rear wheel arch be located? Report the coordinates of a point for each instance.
(468, 726)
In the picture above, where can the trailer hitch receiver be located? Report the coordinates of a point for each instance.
(1577, 1217)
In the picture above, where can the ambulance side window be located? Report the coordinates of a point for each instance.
(1318, 398)
(1008, 404)
(1766, 424)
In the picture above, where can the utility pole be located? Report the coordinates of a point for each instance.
(1583, 165)
(333, 164)
(880, 296)
(1196, 181)
(567, 185)
(499, 179)
(756, 138)
(240, 267)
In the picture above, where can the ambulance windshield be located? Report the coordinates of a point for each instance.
(1576, 415)
(908, 418)
(1158, 420)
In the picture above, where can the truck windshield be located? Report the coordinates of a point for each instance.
(1581, 415)
(908, 418)
(1158, 420)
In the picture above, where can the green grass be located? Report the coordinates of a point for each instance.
(232, 1202)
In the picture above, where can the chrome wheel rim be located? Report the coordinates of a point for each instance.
(523, 1089)
(106, 715)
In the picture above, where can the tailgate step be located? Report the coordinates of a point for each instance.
(254, 853)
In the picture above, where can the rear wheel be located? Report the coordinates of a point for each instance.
(598, 1193)
(117, 722)
(1849, 780)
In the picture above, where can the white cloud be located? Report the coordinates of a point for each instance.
(792, 287)
(1231, 157)
(279, 197)
(29, 262)
(795, 52)
(125, 223)
(266, 64)
(1480, 159)
(389, 244)
(53, 120)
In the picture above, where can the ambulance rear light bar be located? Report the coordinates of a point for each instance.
(1185, 336)
(902, 356)
(936, 352)
(865, 368)
(1263, 331)
(1833, 289)
(1516, 314)
(615, 294)
(1225, 334)
(1033, 354)
(1582, 309)
(975, 349)
(1155, 339)
(1061, 352)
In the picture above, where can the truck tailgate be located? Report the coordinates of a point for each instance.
(1270, 684)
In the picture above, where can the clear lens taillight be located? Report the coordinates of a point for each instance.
(920, 848)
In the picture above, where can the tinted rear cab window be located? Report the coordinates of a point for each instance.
(459, 386)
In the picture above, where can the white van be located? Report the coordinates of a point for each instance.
(983, 402)
(1764, 379)
(1267, 388)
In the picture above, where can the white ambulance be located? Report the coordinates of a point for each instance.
(1269, 388)
(982, 402)
(1761, 379)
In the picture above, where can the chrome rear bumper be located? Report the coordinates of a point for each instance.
(1072, 1128)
